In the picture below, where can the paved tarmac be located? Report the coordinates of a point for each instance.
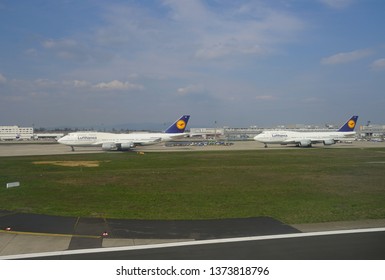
(22, 233)
(342, 245)
(31, 233)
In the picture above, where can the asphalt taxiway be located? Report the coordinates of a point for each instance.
(30, 233)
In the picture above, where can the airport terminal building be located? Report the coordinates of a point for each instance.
(367, 132)
(15, 133)
(372, 132)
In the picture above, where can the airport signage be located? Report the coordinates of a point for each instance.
(13, 184)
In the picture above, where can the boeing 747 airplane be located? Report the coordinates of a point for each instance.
(127, 141)
(306, 139)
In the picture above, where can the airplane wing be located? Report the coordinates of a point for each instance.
(144, 142)
(179, 135)
(127, 145)
(307, 142)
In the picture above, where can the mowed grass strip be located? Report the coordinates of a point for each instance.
(293, 185)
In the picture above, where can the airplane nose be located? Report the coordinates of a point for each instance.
(62, 140)
(259, 137)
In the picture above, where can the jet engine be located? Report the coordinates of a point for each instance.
(329, 142)
(305, 143)
(109, 146)
(126, 146)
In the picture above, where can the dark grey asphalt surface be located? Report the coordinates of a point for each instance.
(354, 246)
(86, 234)
(197, 229)
(83, 228)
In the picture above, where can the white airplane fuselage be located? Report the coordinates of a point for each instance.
(124, 141)
(302, 138)
(87, 139)
(306, 139)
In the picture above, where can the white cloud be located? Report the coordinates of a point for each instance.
(64, 49)
(3, 80)
(346, 57)
(251, 31)
(378, 64)
(118, 85)
(194, 28)
(78, 83)
(45, 83)
(70, 49)
(189, 89)
(217, 47)
(190, 10)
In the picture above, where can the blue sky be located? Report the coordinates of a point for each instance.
(236, 63)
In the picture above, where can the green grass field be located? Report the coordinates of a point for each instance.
(293, 185)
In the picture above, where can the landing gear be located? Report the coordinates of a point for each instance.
(72, 149)
(265, 145)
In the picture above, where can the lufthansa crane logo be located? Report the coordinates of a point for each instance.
(181, 124)
(351, 124)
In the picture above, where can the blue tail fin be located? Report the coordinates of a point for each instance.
(179, 125)
(349, 125)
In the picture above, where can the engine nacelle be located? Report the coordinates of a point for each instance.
(329, 142)
(126, 146)
(305, 143)
(109, 146)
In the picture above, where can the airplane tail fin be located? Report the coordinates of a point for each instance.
(179, 125)
(349, 125)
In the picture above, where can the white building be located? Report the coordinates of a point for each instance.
(372, 132)
(15, 133)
